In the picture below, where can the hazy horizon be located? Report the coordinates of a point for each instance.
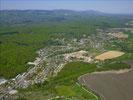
(106, 6)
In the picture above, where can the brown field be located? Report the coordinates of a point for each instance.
(110, 85)
(109, 55)
(119, 35)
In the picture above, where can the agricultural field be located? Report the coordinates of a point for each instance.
(119, 35)
(111, 83)
(109, 55)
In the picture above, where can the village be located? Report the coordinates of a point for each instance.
(52, 59)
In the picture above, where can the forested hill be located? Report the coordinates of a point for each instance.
(24, 17)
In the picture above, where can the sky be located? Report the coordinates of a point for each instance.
(108, 6)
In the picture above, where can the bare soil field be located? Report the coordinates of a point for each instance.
(109, 55)
(110, 85)
(119, 35)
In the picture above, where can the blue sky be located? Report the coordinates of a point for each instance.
(109, 6)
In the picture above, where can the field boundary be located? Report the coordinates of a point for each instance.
(121, 71)
(87, 90)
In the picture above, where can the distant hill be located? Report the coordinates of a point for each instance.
(22, 17)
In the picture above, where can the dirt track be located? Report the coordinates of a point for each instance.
(109, 85)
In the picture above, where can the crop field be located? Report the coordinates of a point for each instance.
(119, 35)
(110, 85)
(109, 55)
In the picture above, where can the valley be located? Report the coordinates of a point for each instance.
(45, 60)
